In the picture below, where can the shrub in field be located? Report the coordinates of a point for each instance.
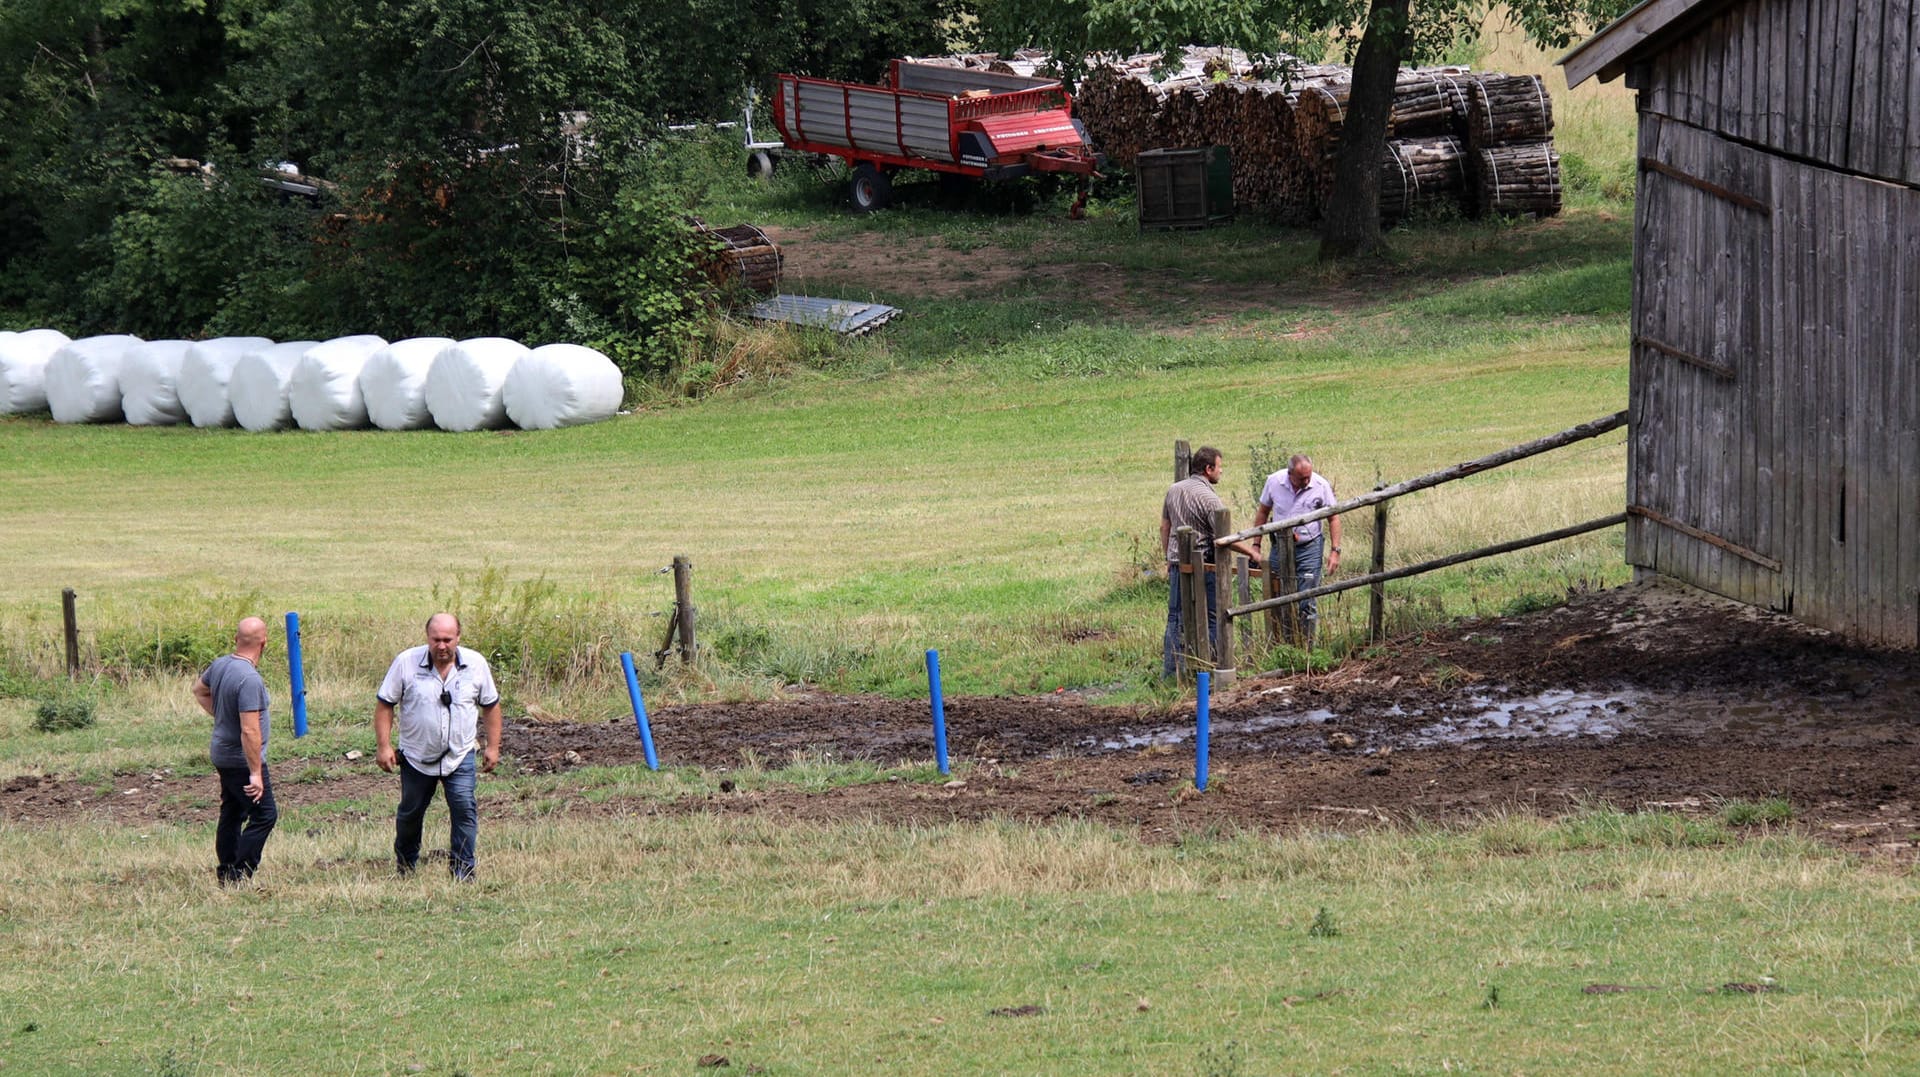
(1530, 602)
(532, 633)
(827, 658)
(164, 649)
(63, 711)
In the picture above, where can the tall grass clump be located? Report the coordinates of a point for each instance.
(173, 632)
(537, 638)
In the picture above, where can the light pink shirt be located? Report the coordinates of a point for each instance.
(1279, 496)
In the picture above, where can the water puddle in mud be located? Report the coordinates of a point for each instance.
(1556, 713)
(1181, 734)
(1553, 714)
(1560, 714)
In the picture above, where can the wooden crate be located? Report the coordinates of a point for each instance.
(1191, 188)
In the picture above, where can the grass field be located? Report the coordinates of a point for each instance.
(1604, 943)
(983, 476)
(974, 481)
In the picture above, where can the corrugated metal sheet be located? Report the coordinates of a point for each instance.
(954, 81)
(843, 316)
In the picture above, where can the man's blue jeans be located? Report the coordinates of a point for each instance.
(416, 792)
(1171, 646)
(1305, 576)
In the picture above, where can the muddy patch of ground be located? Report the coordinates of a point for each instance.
(1645, 697)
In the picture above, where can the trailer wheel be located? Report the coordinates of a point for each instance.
(760, 165)
(870, 189)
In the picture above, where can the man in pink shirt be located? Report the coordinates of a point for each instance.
(1294, 492)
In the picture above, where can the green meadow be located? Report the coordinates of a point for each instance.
(982, 476)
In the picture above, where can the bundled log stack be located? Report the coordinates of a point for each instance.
(1429, 105)
(1510, 126)
(1284, 134)
(1520, 177)
(1422, 172)
(1118, 113)
(1503, 109)
(744, 257)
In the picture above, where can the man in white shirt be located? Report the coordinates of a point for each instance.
(1293, 492)
(440, 692)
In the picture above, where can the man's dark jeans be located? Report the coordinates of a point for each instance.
(244, 824)
(1173, 645)
(416, 792)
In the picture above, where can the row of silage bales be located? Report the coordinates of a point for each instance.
(258, 388)
(205, 373)
(149, 383)
(23, 368)
(558, 385)
(83, 379)
(324, 390)
(341, 384)
(466, 381)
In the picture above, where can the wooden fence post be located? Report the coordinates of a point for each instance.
(1183, 579)
(1223, 665)
(1377, 601)
(1181, 455)
(72, 619)
(1199, 649)
(1271, 588)
(1243, 589)
(683, 605)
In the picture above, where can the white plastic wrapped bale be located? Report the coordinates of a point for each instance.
(394, 383)
(325, 390)
(258, 387)
(149, 379)
(204, 374)
(23, 368)
(558, 385)
(464, 385)
(83, 379)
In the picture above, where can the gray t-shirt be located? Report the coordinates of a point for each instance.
(237, 688)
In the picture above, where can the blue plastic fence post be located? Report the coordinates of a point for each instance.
(939, 711)
(296, 676)
(639, 709)
(1201, 722)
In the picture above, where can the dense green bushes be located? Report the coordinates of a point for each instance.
(484, 167)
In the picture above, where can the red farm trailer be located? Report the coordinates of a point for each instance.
(958, 121)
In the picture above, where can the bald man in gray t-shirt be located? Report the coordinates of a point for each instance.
(231, 691)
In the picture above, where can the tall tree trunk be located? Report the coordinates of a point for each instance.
(1353, 212)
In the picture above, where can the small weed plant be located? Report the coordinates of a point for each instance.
(1773, 811)
(1324, 926)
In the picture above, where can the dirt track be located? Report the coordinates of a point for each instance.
(1646, 696)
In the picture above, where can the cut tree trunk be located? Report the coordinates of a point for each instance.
(1353, 206)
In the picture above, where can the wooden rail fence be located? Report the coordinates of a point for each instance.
(1196, 650)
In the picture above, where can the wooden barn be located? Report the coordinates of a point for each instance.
(1775, 386)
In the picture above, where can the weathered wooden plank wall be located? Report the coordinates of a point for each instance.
(1703, 445)
(1829, 80)
(1775, 392)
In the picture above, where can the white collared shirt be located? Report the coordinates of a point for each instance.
(435, 737)
(1280, 496)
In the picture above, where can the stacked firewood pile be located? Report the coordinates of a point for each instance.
(1510, 125)
(1472, 142)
